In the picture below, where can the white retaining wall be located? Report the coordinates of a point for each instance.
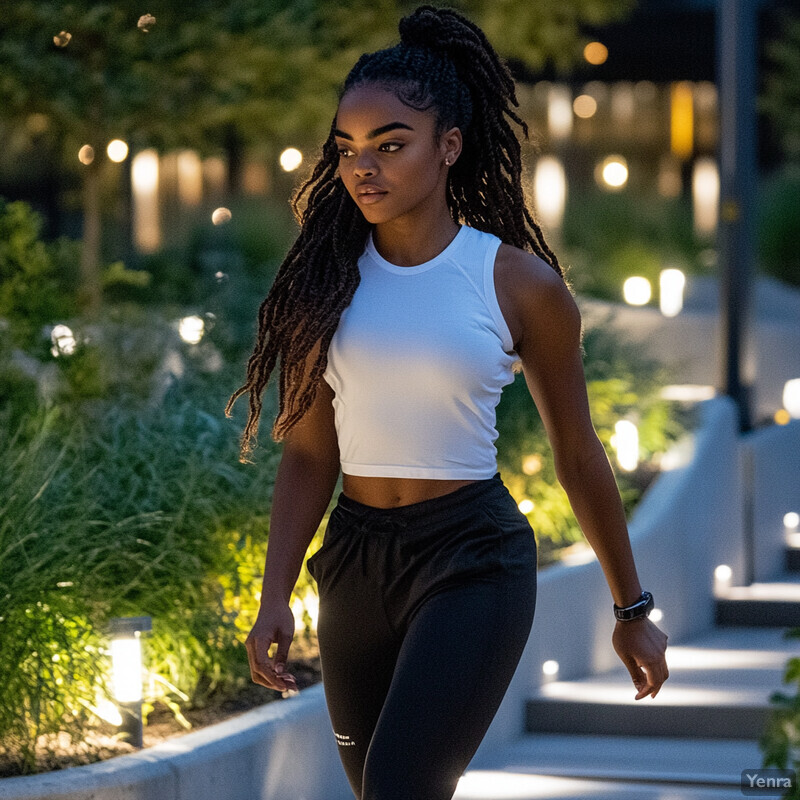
(690, 520)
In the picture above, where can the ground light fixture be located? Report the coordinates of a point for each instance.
(791, 397)
(723, 577)
(126, 672)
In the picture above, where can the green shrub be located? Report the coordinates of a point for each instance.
(30, 292)
(780, 742)
(611, 237)
(779, 227)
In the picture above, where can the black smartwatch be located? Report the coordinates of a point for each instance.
(641, 608)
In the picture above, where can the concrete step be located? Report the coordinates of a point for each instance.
(773, 604)
(719, 688)
(622, 760)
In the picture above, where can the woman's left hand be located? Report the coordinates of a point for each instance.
(641, 646)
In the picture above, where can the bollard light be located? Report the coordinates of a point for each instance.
(671, 285)
(126, 672)
(549, 671)
(723, 576)
(791, 522)
(791, 397)
(626, 442)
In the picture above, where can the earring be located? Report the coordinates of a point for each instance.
(447, 162)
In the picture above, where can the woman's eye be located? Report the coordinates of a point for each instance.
(344, 151)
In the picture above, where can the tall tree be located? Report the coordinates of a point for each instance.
(267, 69)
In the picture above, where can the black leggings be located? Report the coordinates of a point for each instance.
(424, 612)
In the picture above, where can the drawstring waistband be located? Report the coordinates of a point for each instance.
(367, 521)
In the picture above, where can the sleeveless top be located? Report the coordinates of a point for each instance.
(418, 363)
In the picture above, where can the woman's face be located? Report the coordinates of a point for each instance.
(386, 146)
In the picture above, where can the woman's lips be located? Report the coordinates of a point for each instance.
(371, 197)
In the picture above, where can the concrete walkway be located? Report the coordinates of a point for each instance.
(589, 738)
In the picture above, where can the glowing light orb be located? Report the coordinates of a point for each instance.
(126, 658)
(532, 464)
(290, 159)
(221, 216)
(550, 190)
(584, 106)
(525, 506)
(656, 615)
(146, 21)
(117, 150)
(612, 172)
(791, 520)
(64, 342)
(723, 573)
(62, 39)
(791, 397)
(671, 283)
(626, 443)
(86, 154)
(595, 53)
(637, 291)
(191, 329)
(550, 667)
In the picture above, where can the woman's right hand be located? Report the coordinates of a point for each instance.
(274, 624)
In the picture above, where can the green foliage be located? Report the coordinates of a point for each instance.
(615, 236)
(30, 292)
(779, 227)
(780, 742)
(621, 383)
(780, 99)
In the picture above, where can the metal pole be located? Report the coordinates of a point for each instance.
(736, 79)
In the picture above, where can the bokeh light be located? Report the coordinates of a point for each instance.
(671, 284)
(146, 21)
(290, 159)
(550, 191)
(86, 154)
(637, 291)
(584, 106)
(64, 342)
(525, 506)
(626, 442)
(532, 464)
(612, 172)
(117, 150)
(791, 397)
(62, 39)
(221, 216)
(191, 329)
(595, 53)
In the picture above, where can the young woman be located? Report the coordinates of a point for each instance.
(418, 279)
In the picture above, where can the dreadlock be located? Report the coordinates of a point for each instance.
(443, 62)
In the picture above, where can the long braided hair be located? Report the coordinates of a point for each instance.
(443, 62)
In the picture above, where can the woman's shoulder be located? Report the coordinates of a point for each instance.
(531, 292)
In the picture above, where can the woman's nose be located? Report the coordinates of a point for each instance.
(365, 165)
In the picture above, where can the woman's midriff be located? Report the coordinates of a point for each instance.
(393, 492)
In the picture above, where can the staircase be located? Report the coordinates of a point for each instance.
(589, 738)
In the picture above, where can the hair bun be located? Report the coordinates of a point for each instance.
(422, 28)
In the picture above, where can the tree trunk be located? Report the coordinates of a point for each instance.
(90, 292)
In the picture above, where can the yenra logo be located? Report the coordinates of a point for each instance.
(767, 782)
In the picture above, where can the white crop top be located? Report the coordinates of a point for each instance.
(418, 363)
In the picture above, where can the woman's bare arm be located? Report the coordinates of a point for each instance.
(546, 328)
(304, 485)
